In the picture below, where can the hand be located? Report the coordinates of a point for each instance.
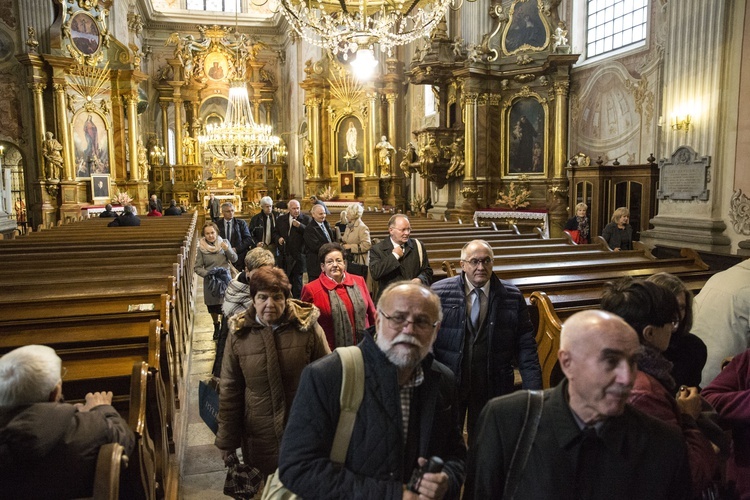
(94, 399)
(295, 223)
(224, 245)
(281, 241)
(431, 485)
(225, 454)
(616, 249)
(689, 401)
(399, 252)
(260, 245)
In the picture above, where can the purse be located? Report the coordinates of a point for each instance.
(208, 404)
(242, 480)
(355, 267)
(352, 391)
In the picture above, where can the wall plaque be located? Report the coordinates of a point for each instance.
(684, 176)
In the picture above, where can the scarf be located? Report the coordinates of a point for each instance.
(342, 327)
(651, 361)
(206, 247)
(583, 226)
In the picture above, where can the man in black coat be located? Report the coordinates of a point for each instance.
(128, 218)
(108, 213)
(214, 208)
(316, 234)
(263, 225)
(289, 236)
(155, 204)
(399, 257)
(173, 209)
(238, 231)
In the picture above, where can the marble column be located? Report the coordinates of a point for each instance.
(63, 129)
(132, 103)
(560, 154)
(178, 130)
(37, 90)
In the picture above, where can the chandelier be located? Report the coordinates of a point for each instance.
(348, 25)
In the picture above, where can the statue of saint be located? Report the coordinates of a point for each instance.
(456, 168)
(188, 150)
(51, 151)
(307, 159)
(142, 160)
(351, 140)
(385, 150)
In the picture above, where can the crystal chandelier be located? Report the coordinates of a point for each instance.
(347, 25)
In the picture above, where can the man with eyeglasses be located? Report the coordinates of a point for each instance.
(407, 414)
(399, 257)
(485, 326)
(48, 448)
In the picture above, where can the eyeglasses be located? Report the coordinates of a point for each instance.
(475, 262)
(399, 321)
(340, 262)
(402, 229)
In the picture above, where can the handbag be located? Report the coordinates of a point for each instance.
(575, 235)
(208, 404)
(242, 480)
(355, 267)
(534, 405)
(352, 392)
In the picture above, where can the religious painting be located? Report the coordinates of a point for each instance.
(216, 66)
(527, 140)
(350, 151)
(84, 33)
(527, 29)
(7, 47)
(100, 188)
(91, 144)
(346, 185)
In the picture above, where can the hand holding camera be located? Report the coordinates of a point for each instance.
(427, 476)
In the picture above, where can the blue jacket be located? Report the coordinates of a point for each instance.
(378, 462)
(510, 334)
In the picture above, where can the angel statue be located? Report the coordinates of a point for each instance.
(560, 38)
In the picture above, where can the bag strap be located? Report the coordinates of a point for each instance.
(534, 405)
(419, 250)
(352, 391)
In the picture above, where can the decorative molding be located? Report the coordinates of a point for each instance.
(739, 213)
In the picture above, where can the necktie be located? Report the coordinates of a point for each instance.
(476, 309)
(267, 237)
(328, 236)
(228, 230)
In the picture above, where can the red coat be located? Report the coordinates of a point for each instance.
(317, 292)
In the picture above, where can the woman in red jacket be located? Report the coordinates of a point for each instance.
(343, 299)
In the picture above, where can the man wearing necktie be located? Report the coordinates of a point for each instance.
(263, 225)
(317, 233)
(289, 236)
(236, 232)
(485, 327)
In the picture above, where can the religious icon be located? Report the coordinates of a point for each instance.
(84, 33)
(91, 144)
(100, 186)
(526, 29)
(350, 139)
(215, 66)
(527, 127)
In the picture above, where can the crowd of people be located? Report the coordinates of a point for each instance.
(451, 394)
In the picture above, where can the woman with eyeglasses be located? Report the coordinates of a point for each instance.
(343, 299)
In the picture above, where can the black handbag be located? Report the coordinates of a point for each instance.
(355, 267)
(243, 480)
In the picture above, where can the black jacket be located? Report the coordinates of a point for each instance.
(314, 239)
(241, 239)
(126, 219)
(386, 268)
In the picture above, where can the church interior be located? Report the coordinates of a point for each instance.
(506, 112)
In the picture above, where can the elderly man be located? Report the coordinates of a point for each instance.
(485, 327)
(236, 232)
(214, 208)
(399, 257)
(263, 225)
(154, 203)
(289, 236)
(173, 208)
(587, 442)
(48, 449)
(316, 234)
(107, 213)
(128, 218)
(407, 414)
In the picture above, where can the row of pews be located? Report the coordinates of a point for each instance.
(115, 305)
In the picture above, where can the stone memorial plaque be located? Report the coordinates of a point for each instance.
(683, 176)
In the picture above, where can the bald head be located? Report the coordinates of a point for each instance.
(580, 327)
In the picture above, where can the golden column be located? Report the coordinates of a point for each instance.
(470, 117)
(313, 111)
(392, 132)
(164, 105)
(195, 123)
(131, 99)
(63, 129)
(178, 129)
(561, 128)
(371, 138)
(41, 129)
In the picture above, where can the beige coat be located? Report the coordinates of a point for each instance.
(358, 236)
(259, 378)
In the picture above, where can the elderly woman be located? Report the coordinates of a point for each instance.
(268, 347)
(356, 238)
(686, 351)
(214, 260)
(618, 233)
(579, 222)
(237, 298)
(344, 302)
(652, 310)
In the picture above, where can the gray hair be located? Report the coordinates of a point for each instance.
(258, 257)
(394, 218)
(28, 375)
(108, 206)
(354, 211)
(128, 209)
(465, 251)
(227, 204)
(266, 200)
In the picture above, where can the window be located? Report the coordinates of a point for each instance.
(429, 100)
(213, 5)
(614, 24)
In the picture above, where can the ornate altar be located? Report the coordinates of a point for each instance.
(222, 188)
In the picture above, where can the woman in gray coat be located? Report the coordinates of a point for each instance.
(213, 264)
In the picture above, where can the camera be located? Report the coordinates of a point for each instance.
(433, 465)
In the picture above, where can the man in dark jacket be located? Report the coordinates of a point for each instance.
(589, 442)
(107, 213)
(485, 327)
(48, 449)
(236, 232)
(289, 236)
(173, 209)
(214, 208)
(407, 413)
(399, 257)
(263, 225)
(316, 234)
(128, 218)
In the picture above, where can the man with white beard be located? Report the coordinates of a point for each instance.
(407, 414)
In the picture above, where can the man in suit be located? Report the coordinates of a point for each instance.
(263, 225)
(316, 234)
(128, 218)
(399, 257)
(108, 213)
(173, 209)
(236, 232)
(214, 208)
(589, 443)
(155, 204)
(485, 327)
(289, 235)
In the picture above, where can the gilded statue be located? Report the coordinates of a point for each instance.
(142, 160)
(307, 159)
(457, 164)
(51, 151)
(385, 150)
(188, 150)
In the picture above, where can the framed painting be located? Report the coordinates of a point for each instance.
(346, 185)
(527, 140)
(84, 33)
(526, 29)
(100, 188)
(91, 144)
(216, 66)
(350, 146)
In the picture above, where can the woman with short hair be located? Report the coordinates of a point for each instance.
(213, 263)
(580, 223)
(618, 233)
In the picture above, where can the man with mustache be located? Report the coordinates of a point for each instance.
(407, 413)
(485, 327)
(588, 442)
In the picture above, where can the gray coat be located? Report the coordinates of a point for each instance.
(205, 261)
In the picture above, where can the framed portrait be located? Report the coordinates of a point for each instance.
(216, 66)
(346, 185)
(527, 140)
(527, 29)
(91, 144)
(100, 188)
(84, 33)
(350, 146)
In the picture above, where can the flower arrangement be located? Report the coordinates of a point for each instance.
(327, 194)
(122, 198)
(200, 185)
(515, 197)
(417, 203)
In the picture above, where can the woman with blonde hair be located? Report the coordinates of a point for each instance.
(580, 224)
(618, 233)
(356, 238)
